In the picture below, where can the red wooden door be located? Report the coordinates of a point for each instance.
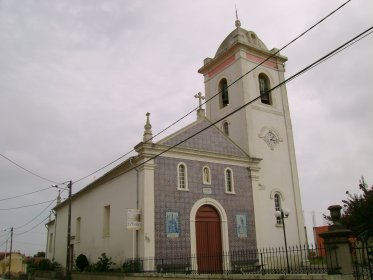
(208, 237)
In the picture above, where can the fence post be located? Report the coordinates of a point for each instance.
(337, 247)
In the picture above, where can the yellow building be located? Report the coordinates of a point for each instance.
(17, 265)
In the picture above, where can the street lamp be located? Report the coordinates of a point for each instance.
(283, 214)
(68, 249)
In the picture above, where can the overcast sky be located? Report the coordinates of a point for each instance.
(77, 77)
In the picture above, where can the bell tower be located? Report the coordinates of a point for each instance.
(262, 128)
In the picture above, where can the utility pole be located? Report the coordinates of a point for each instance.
(11, 248)
(6, 247)
(68, 257)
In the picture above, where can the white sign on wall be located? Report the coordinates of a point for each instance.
(134, 219)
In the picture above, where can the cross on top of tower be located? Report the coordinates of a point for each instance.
(200, 98)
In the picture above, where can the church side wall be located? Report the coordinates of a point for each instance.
(169, 199)
(119, 194)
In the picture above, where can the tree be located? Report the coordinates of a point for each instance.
(81, 262)
(40, 254)
(358, 212)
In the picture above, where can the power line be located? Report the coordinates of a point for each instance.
(345, 47)
(27, 243)
(27, 170)
(38, 215)
(12, 197)
(304, 70)
(3, 243)
(5, 236)
(17, 234)
(193, 110)
(25, 194)
(24, 206)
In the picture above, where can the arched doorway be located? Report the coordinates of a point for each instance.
(208, 240)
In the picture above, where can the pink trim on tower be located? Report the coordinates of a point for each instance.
(221, 66)
(258, 59)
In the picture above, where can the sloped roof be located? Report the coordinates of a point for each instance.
(211, 139)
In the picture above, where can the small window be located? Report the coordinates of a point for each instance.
(206, 175)
(223, 93)
(226, 128)
(77, 231)
(106, 225)
(182, 176)
(277, 200)
(265, 96)
(229, 183)
(50, 247)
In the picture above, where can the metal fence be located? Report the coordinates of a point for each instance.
(362, 259)
(291, 260)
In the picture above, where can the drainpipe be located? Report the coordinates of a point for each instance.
(137, 204)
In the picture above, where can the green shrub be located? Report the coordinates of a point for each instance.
(134, 265)
(45, 264)
(81, 262)
(103, 263)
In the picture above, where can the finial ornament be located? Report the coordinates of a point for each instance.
(238, 23)
(58, 197)
(200, 98)
(148, 135)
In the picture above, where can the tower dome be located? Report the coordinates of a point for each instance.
(240, 36)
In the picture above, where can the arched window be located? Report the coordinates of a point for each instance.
(277, 199)
(206, 175)
(226, 128)
(264, 86)
(223, 93)
(229, 183)
(182, 177)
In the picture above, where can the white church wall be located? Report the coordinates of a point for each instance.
(120, 195)
(277, 170)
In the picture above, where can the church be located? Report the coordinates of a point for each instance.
(210, 188)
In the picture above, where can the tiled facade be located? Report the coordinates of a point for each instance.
(169, 199)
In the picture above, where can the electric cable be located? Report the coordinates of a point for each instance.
(17, 234)
(24, 206)
(38, 215)
(304, 70)
(27, 170)
(3, 243)
(345, 47)
(29, 193)
(5, 236)
(8, 198)
(28, 243)
(193, 110)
